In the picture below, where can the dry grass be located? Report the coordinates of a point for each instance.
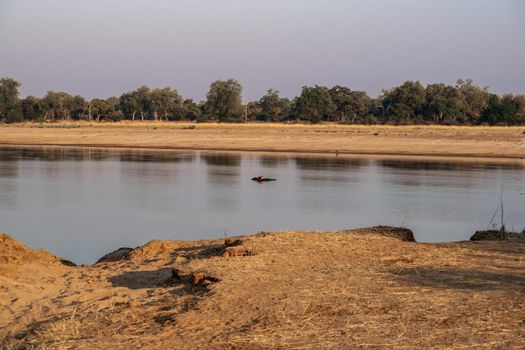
(298, 290)
(468, 141)
(251, 125)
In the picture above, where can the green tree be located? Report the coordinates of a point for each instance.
(58, 105)
(517, 104)
(314, 104)
(403, 103)
(129, 105)
(77, 107)
(191, 110)
(497, 112)
(143, 97)
(350, 106)
(253, 110)
(115, 114)
(442, 102)
(136, 102)
(272, 107)
(99, 109)
(114, 102)
(224, 100)
(474, 100)
(33, 107)
(164, 102)
(10, 107)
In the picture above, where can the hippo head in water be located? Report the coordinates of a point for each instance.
(262, 179)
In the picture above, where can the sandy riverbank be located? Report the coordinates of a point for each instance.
(495, 142)
(322, 290)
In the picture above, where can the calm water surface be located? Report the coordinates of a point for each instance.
(83, 203)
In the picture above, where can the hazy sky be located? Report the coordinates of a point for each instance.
(99, 48)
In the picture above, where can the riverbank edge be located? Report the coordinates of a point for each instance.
(416, 155)
(476, 142)
(220, 276)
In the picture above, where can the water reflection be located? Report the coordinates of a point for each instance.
(273, 161)
(310, 179)
(8, 185)
(223, 169)
(440, 165)
(92, 154)
(9, 155)
(223, 177)
(53, 154)
(146, 174)
(231, 160)
(329, 163)
(156, 156)
(439, 173)
(8, 168)
(320, 171)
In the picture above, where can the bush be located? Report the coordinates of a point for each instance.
(232, 120)
(116, 116)
(370, 119)
(201, 119)
(449, 121)
(14, 117)
(174, 117)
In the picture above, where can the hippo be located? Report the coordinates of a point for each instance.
(261, 179)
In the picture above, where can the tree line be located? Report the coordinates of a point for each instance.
(464, 103)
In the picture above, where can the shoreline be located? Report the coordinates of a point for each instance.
(440, 156)
(326, 139)
(403, 233)
(323, 288)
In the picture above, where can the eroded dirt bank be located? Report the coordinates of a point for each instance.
(347, 289)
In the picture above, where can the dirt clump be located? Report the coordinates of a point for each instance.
(197, 279)
(401, 233)
(153, 248)
(498, 235)
(232, 242)
(231, 252)
(16, 253)
(203, 280)
(180, 260)
(119, 254)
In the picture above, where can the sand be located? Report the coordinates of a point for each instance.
(284, 290)
(448, 141)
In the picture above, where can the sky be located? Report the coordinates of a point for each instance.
(101, 48)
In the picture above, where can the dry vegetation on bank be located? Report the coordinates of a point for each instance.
(299, 290)
(502, 142)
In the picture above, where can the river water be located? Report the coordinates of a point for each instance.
(81, 203)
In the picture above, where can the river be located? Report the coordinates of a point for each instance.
(81, 203)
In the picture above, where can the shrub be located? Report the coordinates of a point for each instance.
(14, 116)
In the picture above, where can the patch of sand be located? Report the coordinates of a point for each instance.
(449, 141)
(300, 290)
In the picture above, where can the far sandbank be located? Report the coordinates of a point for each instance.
(426, 141)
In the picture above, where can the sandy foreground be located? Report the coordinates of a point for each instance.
(500, 142)
(286, 290)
